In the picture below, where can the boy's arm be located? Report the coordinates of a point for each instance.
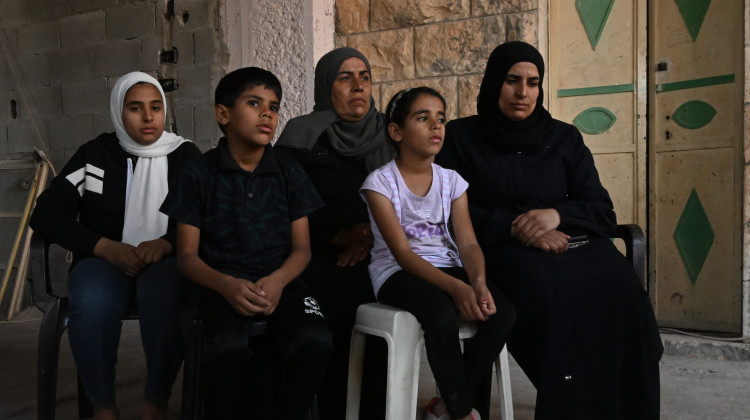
(471, 254)
(274, 283)
(243, 295)
(385, 218)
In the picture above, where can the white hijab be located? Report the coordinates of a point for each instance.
(147, 183)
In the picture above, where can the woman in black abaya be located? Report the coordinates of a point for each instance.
(338, 144)
(586, 335)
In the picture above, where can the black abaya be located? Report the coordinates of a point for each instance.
(585, 335)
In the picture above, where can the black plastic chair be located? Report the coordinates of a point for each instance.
(54, 323)
(635, 249)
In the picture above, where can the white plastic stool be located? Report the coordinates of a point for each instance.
(405, 339)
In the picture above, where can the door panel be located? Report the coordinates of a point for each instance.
(593, 84)
(695, 141)
(599, 79)
(698, 184)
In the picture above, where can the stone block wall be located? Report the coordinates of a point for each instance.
(443, 44)
(59, 60)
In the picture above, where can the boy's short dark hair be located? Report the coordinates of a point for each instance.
(232, 85)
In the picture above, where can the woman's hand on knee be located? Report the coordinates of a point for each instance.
(553, 241)
(530, 226)
(121, 255)
(353, 254)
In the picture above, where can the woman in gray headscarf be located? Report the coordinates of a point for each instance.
(338, 144)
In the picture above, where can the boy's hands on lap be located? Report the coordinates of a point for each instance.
(121, 255)
(244, 296)
(273, 289)
(153, 251)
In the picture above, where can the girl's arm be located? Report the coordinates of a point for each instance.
(243, 295)
(471, 254)
(385, 218)
(274, 283)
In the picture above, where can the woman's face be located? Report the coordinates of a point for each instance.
(143, 113)
(351, 91)
(519, 91)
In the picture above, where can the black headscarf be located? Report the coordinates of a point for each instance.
(528, 135)
(365, 138)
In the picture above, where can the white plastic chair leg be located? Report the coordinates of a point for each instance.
(502, 372)
(403, 335)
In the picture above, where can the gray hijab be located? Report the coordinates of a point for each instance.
(365, 138)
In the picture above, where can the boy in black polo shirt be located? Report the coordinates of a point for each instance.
(243, 236)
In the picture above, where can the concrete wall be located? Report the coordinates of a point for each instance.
(62, 58)
(437, 43)
(746, 187)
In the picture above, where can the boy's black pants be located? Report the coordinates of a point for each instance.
(272, 377)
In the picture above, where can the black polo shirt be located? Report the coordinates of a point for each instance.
(244, 217)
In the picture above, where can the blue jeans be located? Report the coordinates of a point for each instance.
(99, 295)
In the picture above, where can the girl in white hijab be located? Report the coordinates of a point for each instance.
(104, 207)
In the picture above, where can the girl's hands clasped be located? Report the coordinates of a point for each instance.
(484, 299)
(469, 303)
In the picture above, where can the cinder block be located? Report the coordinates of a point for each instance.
(82, 30)
(35, 69)
(46, 101)
(149, 57)
(130, 20)
(70, 66)
(79, 6)
(101, 122)
(43, 37)
(60, 157)
(46, 11)
(206, 46)
(22, 135)
(206, 128)
(185, 44)
(13, 107)
(193, 83)
(193, 14)
(14, 13)
(3, 139)
(116, 57)
(69, 132)
(183, 113)
(85, 97)
(6, 96)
